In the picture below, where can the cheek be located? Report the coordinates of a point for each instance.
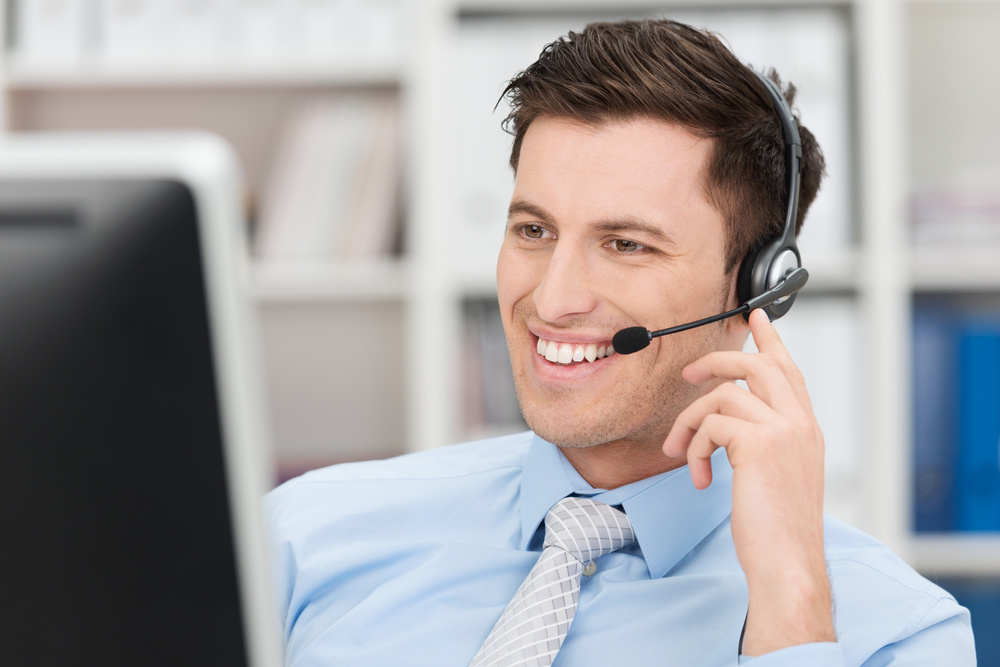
(515, 279)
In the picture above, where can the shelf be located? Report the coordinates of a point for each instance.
(21, 77)
(278, 282)
(966, 269)
(957, 554)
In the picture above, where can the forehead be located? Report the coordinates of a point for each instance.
(641, 168)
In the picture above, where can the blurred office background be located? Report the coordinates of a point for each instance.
(376, 189)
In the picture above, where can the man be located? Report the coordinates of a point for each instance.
(648, 163)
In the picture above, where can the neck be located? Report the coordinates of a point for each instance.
(616, 464)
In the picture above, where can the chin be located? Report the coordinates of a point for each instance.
(565, 427)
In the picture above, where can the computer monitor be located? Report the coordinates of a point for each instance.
(132, 456)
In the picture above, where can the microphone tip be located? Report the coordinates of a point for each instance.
(631, 340)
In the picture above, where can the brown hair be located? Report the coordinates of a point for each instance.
(665, 70)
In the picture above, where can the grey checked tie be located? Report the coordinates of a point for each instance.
(534, 624)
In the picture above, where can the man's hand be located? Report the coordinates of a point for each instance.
(776, 450)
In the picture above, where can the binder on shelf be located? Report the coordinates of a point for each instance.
(326, 31)
(373, 216)
(131, 32)
(185, 34)
(966, 212)
(490, 401)
(200, 30)
(267, 30)
(348, 32)
(52, 33)
(935, 363)
(977, 474)
(333, 191)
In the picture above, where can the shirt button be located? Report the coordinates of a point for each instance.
(590, 569)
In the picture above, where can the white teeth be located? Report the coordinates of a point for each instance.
(568, 353)
(565, 353)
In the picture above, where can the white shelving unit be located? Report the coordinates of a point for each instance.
(946, 63)
(402, 390)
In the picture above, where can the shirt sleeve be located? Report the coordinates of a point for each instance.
(942, 637)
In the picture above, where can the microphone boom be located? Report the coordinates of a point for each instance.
(633, 339)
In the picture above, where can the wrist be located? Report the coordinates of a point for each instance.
(791, 609)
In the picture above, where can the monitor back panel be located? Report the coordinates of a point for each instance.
(116, 544)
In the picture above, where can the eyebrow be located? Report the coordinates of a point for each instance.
(522, 206)
(623, 225)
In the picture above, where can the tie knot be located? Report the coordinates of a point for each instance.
(586, 528)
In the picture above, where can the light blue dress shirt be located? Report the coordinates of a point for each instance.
(410, 561)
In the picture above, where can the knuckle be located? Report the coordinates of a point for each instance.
(712, 421)
(729, 390)
(768, 363)
(795, 376)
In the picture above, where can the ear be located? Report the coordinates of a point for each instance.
(737, 328)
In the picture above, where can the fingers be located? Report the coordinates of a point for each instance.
(716, 431)
(776, 408)
(772, 374)
(763, 375)
(768, 342)
(765, 336)
(726, 399)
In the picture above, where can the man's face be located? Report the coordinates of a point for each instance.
(609, 228)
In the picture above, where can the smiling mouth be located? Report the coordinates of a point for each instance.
(573, 353)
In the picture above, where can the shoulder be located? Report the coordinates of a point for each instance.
(854, 556)
(880, 600)
(449, 461)
(417, 478)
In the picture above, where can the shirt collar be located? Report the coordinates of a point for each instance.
(668, 515)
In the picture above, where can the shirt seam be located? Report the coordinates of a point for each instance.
(919, 621)
(888, 576)
(931, 598)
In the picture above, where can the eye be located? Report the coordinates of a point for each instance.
(534, 232)
(627, 247)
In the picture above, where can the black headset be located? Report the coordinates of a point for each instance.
(766, 266)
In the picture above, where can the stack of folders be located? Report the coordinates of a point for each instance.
(965, 212)
(124, 34)
(491, 406)
(956, 418)
(333, 190)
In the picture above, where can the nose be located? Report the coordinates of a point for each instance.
(564, 291)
